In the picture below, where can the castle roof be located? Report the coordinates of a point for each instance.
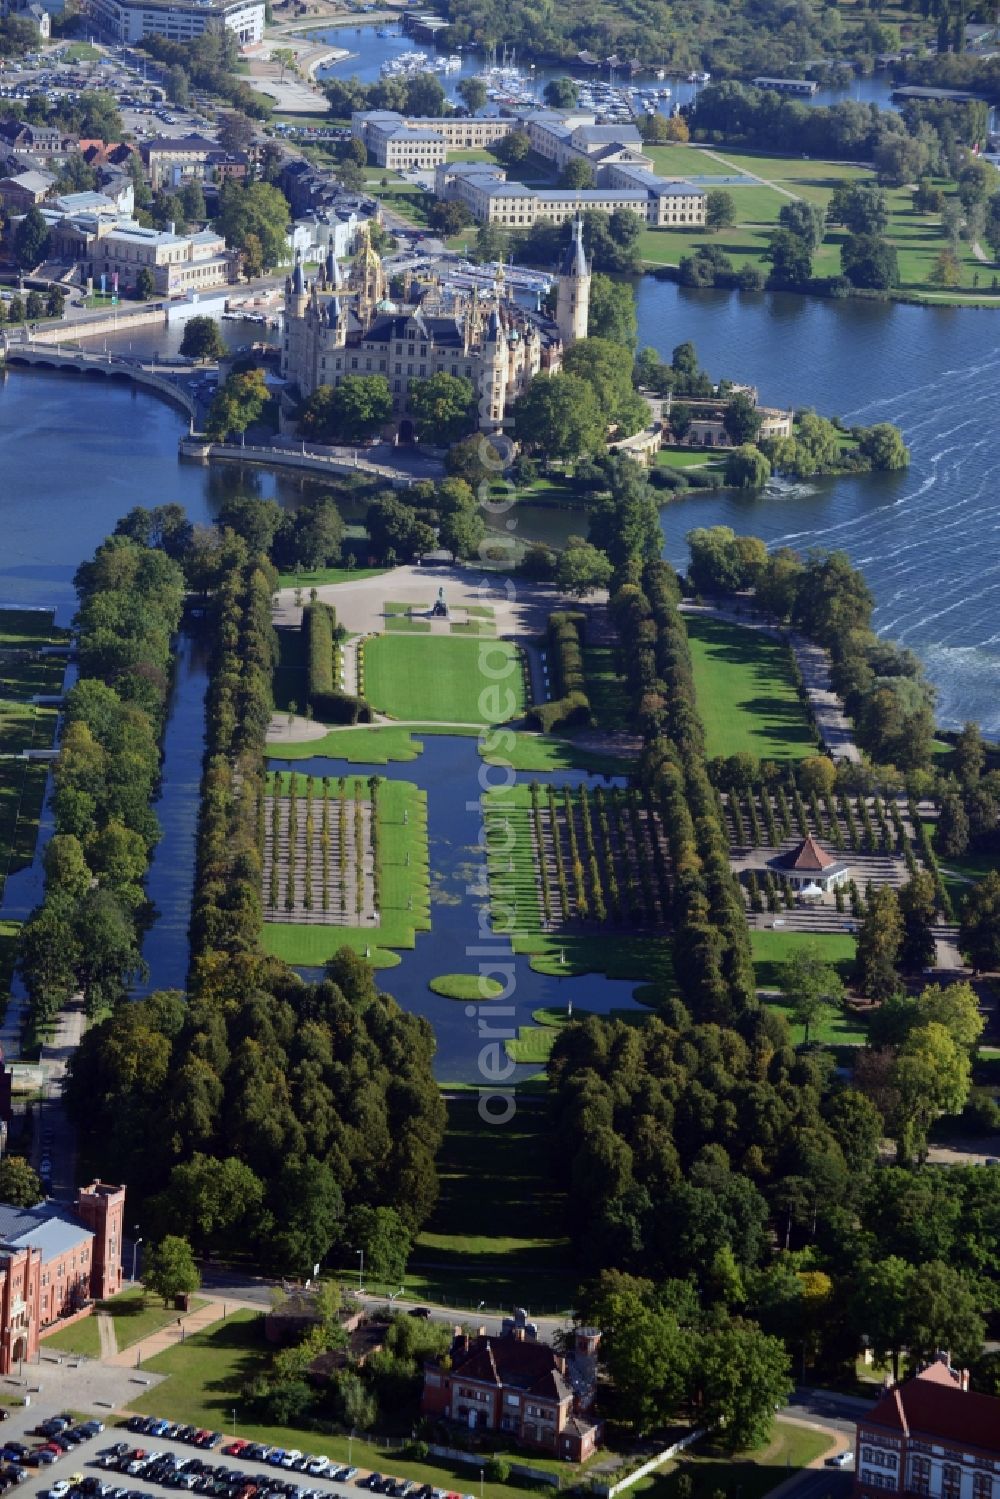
(575, 260)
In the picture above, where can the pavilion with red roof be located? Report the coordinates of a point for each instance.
(809, 869)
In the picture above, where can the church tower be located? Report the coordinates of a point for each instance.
(573, 295)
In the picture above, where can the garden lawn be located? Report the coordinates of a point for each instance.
(685, 458)
(135, 1317)
(772, 950)
(82, 1338)
(497, 1231)
(743, 1475)
(544, 752)
(374, 744)
(312, 946)
(203, 1383)
(397, 617)
(746, 692)
(606, 689)
(441, 677)
(319, 576)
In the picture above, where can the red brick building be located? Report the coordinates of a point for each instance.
(53, 1262)
(930, 1437)
(515, 1385)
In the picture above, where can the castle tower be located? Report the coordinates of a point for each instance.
(573, 295)
(295, 295)
(102, 1208)
(369, 278)
(493, 386)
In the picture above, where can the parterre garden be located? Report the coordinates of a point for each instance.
(443, 678)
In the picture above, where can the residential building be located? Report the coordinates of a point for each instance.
(520, 1387)
(179, 262)
(52, 1262)
(178, 20)
(169, 159)
(335, 327)
(398, 143)
(930, 1437)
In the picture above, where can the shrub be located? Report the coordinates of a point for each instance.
(326, 698)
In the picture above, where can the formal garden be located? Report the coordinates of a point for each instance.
(442, 678)
(748, 693)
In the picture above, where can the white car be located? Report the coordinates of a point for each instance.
(843, 1459)
(60, 1489)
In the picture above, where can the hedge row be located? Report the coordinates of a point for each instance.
(328, 701)
(572, 707)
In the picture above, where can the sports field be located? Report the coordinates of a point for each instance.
(443, 678)
(747, 696)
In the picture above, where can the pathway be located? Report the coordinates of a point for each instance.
(743, 171)
(814, 664)
(106, 1333)
(175, 1332)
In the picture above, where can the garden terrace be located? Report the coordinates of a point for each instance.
(319, 852)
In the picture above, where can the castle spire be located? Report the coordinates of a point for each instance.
(573, 295)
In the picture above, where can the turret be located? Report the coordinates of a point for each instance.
(334, 279)
(573, 295)
(297, 293)
(369, 278)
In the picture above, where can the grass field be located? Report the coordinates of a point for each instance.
(320, 576)
(497, 1230)
(446, 677)
(746, 693)
(375, 744)
(542, 752)
(743, 1475)
(405, 889)
(606, 689)
(682, 458)
(918, 237)
(771, 950)
(135, 1318)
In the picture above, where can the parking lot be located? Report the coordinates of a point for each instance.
(143, 1458)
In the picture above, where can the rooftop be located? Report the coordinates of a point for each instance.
(807, 858)
(934, 1407)
(41, 1227)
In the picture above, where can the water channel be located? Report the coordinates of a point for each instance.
(75, 454)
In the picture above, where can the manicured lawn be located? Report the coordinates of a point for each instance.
(205, 1378)
(771, 950)
(445, 677)
(685, 458)
(606, 689)
(744, 1475)
(398, 617)
(405, 888)
(497, 1231)
(374, 744)
(746, 693)
(543, 752)
(135, 1318)
(474, 986)
(320, 576)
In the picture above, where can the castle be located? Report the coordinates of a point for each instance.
(339, 326)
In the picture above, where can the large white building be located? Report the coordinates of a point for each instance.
(178, 20)
(178, 263)
(399, 143)
(492, 199)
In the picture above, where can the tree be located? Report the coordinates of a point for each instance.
(255, 209)
(558, 415)
(744, 1376)
(306, 1209)
(612, 312)
(811, 986)
(956, 1007)
(648, 1357)
(862, 207)
(582, 568)
(472, 92)
(979, 929)
(816, 774)
(238, 404)
(210, 1201)
(658, 129)
(806, 220)
(741, 419)
(55, 301)
(879, 943)
(970, 754)
(561, 93)
(882, 1306)
(462, 532)
(918, 908)
(442, 408)
(386, 1242)
(31, 240)
(193, 201)
(202, 339)
(951, 836)
(513, 149)
(449, 216)
(946, 270)
(285, 58)
(720, 210)
(943, 1311)
(36, 305)
(19, 1183)
(312, 537)
(931, 1075)
(145, 285)
(66, 869)
(869, 261)
(353, 411)
(790, 258)
(607, 369)
(577, 174)
(169, 1268)
(178, 86)
(746, 467)
(236, 132)
(882, 446)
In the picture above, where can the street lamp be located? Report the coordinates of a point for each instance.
(234, 1424)
(361, 1271)
(135, 1252)
(481, 1476)
(350, 1447)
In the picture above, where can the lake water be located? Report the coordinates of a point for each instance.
(368, 51)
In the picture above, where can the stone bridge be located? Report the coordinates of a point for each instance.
(107, 366)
